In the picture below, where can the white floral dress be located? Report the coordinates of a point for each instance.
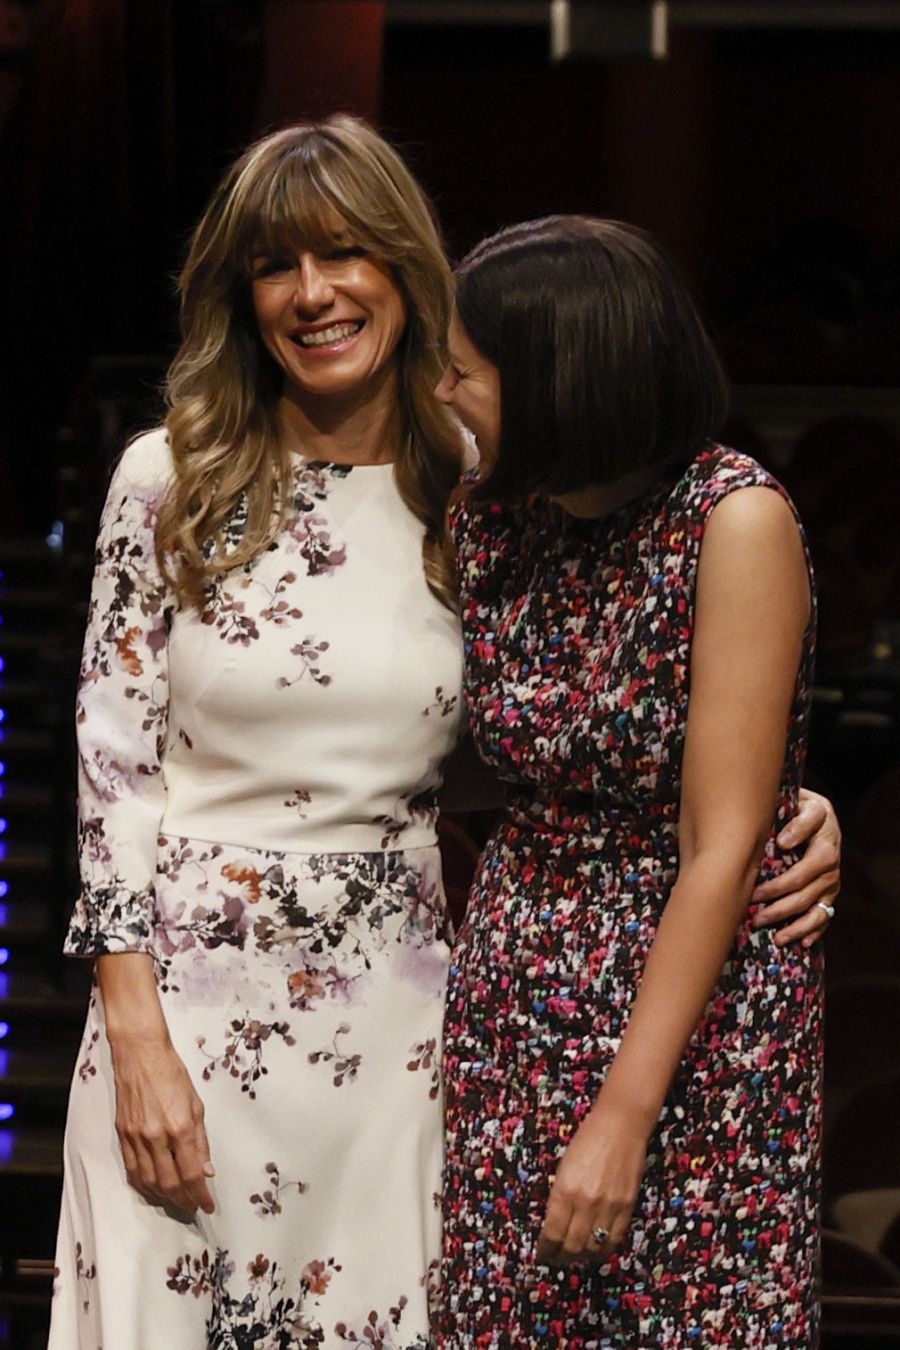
(258, 785)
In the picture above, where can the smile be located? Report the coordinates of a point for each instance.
(328, 337)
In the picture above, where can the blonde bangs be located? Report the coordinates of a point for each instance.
(294, 202)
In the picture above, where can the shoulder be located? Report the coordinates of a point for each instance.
(716, 475)
(718, 471)
(753, 514)
(145, 468)
(753, 549)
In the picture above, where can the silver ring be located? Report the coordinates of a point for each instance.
(829, 909)
(600, 1235)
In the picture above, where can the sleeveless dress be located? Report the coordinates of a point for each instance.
(257, 810)
(577, 638)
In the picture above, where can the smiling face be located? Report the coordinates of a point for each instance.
(331, 317)
(471, 387)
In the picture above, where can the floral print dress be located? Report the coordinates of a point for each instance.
(577, 638)
(257, 810)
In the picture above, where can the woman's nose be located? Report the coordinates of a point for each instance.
(443, 390)
(314, 290)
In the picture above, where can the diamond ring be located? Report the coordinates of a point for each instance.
(829, 909)
(600, 1235)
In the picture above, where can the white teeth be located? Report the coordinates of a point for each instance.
(336, 333)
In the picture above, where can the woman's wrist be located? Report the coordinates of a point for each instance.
(132, 1011)
(633, 1115)
(126, 1032)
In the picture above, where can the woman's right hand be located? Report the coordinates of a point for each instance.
(159, 1121)
(159, 1115)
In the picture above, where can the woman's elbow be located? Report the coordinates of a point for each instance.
(732, 860)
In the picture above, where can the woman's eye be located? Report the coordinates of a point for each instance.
(342, 254)
(270, 267)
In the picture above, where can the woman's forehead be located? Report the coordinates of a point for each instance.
(323, 228)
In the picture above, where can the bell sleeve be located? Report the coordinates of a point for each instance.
(122, 713)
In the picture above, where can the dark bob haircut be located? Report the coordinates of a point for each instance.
(605, 366)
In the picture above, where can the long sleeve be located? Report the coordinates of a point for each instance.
(122, 713)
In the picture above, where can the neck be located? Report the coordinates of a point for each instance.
(600, 499)
(359, 427)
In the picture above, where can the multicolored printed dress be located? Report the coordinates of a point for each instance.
(258, 784)
(577, 638)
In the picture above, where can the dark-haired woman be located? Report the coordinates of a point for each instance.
(632, 1059)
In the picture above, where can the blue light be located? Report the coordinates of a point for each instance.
(7, 1110)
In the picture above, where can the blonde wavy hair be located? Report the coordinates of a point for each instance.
(223, 387)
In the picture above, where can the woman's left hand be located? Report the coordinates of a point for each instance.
(802, 892)
(596, 1186)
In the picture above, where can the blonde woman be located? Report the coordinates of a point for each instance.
(271, 679)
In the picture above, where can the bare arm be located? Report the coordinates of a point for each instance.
(752, 608)
(159, 1116)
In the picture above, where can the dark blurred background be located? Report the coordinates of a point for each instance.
(763, 148)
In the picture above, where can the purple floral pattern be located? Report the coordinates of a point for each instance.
(258, 804)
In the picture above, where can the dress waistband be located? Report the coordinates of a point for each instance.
(580, 818)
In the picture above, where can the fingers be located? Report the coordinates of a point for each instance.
(617, 1228)
(806, 908)
(171, 1167)
(821, 866)
(203, 1149)
(168, 1180)
(134, 1171)
(144, 1179)
(810, 920)
(799, 894)
(799, 902)
(568, 1233)
(810, 816)
(190, 1155)
(552, 1235)
(821, 861)
(578, 1235)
